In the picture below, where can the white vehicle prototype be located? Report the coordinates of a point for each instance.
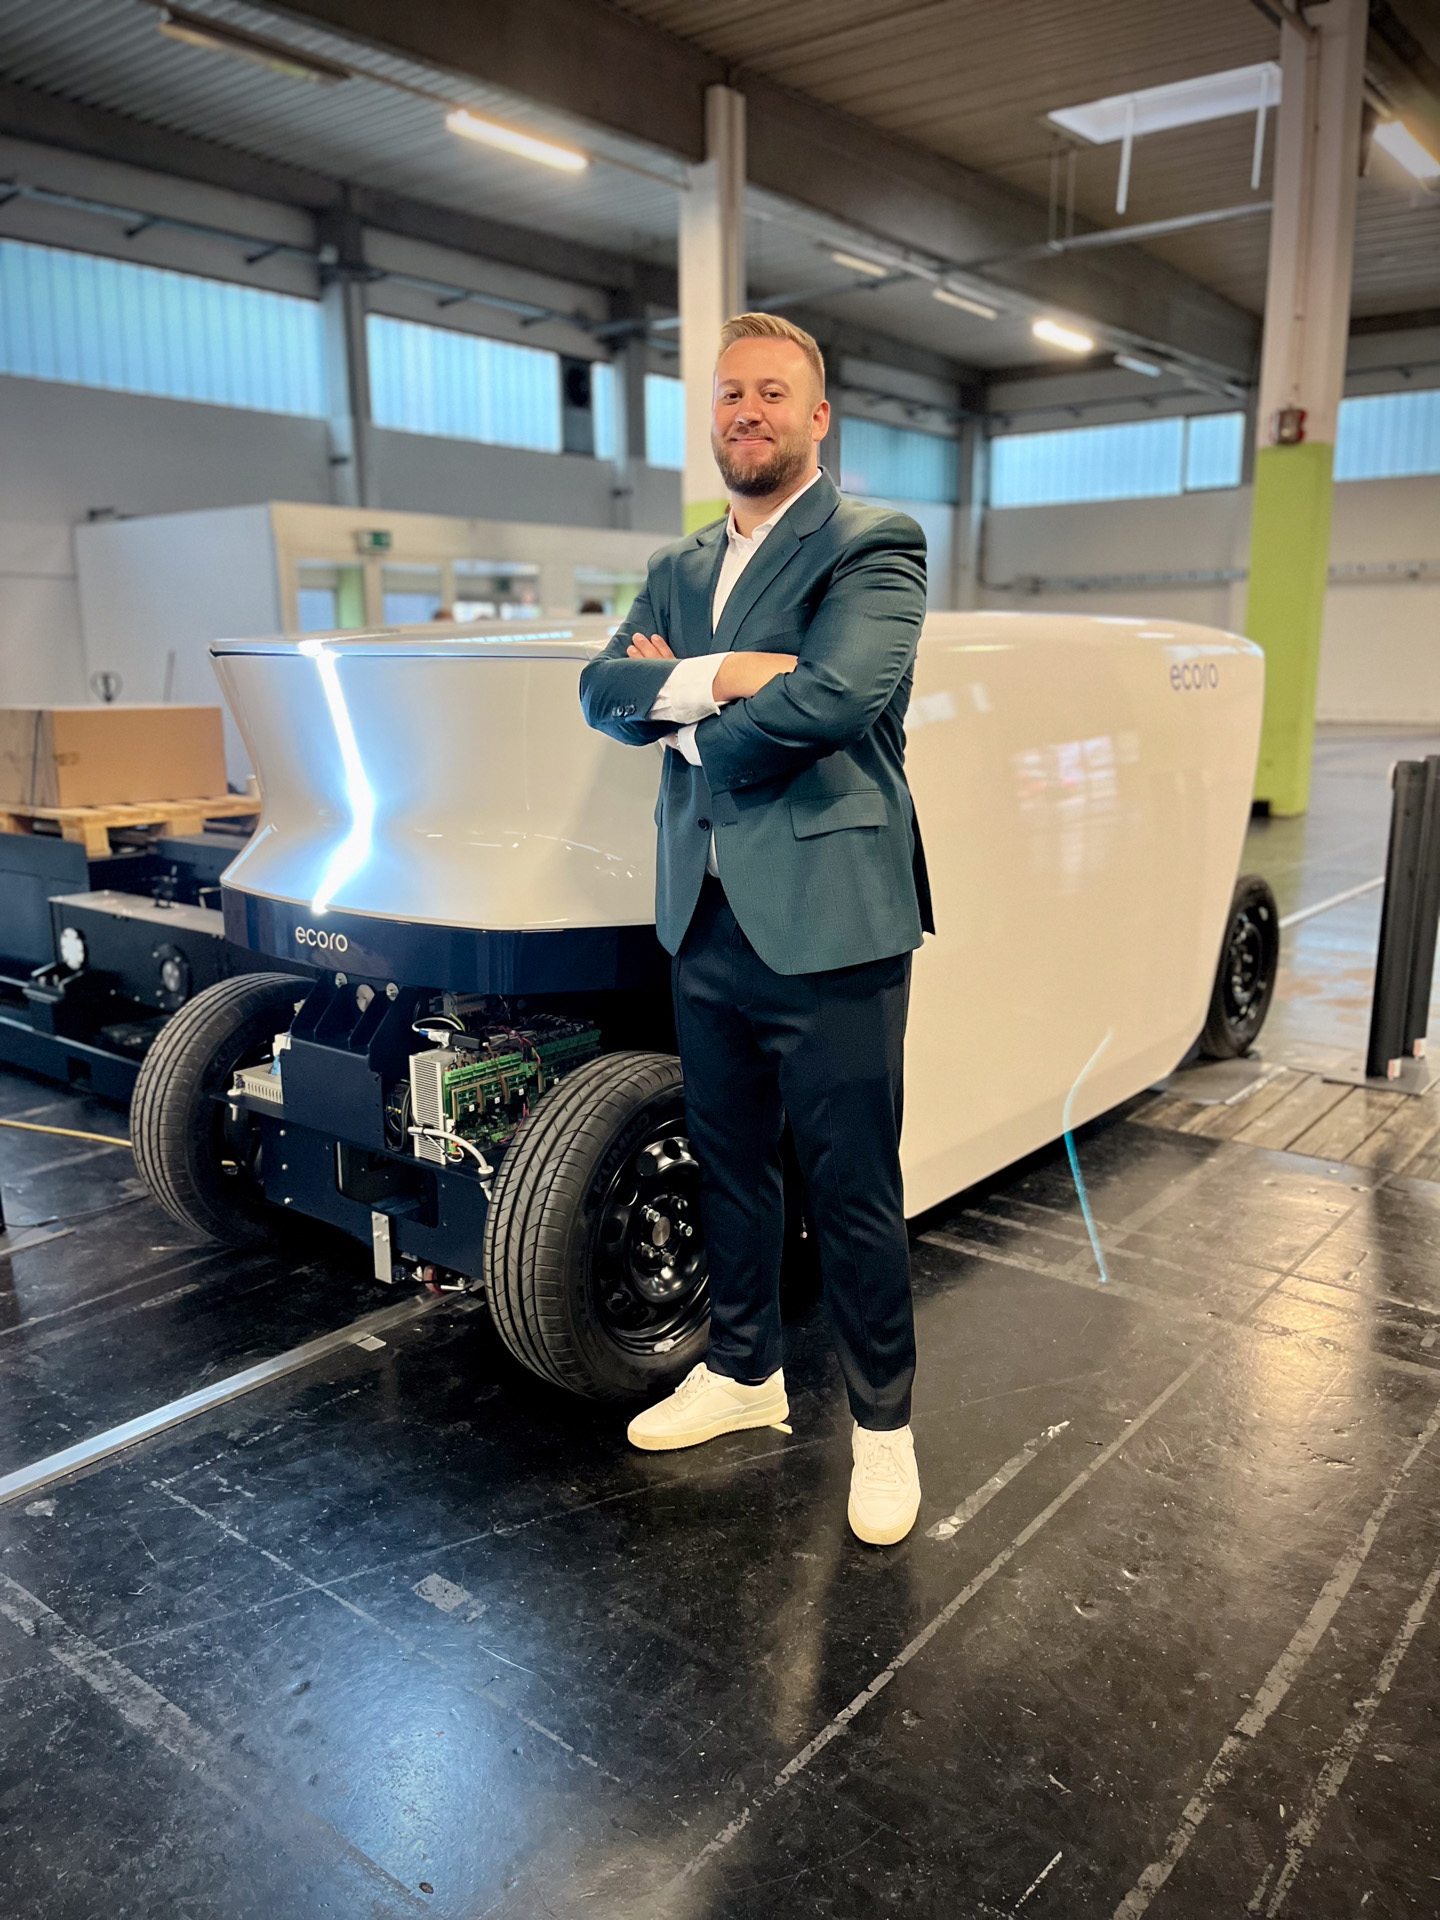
(482, 1082)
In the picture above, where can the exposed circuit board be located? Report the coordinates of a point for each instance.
(480, 1089)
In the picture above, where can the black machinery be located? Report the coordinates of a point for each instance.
(97, 954)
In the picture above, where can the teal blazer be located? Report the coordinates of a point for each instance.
(804, 785)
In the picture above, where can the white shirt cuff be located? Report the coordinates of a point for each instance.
(689, 693)
(683, 741)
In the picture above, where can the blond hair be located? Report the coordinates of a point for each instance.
(772, 326)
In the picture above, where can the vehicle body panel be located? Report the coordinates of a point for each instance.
(434, 800)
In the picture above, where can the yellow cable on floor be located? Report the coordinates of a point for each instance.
(68, 1133)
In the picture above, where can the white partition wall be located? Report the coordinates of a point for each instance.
(156, 591)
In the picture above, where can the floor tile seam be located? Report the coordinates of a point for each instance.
(149, 1712)
(1280, 1678)
(56, 1336)
(99, 1451)
(1344, 1750)
(1366, 1293)
(834, 1728)
(1261, 1146)
(409, 1647)
(144, 1280)
(800, 1761)
(1165, 1306)
(1114, 1237)
(161, 1634)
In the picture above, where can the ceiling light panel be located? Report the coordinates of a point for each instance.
(493, 133)
(1397, 140)
(218, 36)
(1070, 338)
(965, 303)
(1184, 103)
(857, 265)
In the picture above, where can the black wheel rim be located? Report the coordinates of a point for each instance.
(1247, 972)
(648, 1266)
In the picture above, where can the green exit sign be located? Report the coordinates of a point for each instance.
(373, 539)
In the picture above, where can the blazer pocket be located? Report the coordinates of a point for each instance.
(828, 813)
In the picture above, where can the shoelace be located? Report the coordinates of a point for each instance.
(695, 1382)
(880, 1462)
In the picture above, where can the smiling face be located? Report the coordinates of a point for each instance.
(769, 417)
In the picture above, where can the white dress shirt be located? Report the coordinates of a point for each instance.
(688, 695)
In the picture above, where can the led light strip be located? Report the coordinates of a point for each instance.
(354, 850)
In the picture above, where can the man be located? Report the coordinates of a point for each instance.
(772, 653)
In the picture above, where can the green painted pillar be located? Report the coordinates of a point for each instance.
(1302, 376)
(1285, 609)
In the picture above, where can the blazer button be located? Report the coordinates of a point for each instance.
(704, 825)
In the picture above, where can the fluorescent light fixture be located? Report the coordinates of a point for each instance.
(217, 36)
(1132, 365)
(1070, 338)
(857, 265)
(528, 145)
(1398, 141)
(965, 304)
(1184, 103)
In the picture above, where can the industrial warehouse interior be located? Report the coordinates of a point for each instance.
(373, 1190)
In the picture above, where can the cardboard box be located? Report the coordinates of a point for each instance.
(97, 756)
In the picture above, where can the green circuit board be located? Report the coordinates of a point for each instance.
(487, 1097)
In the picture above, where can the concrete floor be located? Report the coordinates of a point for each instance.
(408, 1632)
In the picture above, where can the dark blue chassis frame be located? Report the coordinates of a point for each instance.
(326, 1155)
(437, 1214)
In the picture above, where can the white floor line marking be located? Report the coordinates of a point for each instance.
(1276, 1684)
(111, 1293)
(1335, 900)
(22, 1175)
(400, 1639)
(1044, 1874)
(842, 1720)
(145, 1426)
(141, 1706)
(1338, 1761)
(1072, 1276)
(947, 1528)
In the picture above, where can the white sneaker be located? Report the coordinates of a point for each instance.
(884, 1486)
(704, 1406)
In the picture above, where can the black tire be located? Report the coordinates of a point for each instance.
(1245, 977)
(197, 1163)
(596, 1194)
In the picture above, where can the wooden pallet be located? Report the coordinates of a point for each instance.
(91, 826)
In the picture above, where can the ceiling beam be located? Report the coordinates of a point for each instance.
(845, 339)
(103, 135)
(591, 61)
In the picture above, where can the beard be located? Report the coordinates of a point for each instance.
(787, 462)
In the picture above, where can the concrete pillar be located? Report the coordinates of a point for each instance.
(343, 279)
(712, 287)
(829, 452)
(631, 359)
(970, 515)
(1302, 373)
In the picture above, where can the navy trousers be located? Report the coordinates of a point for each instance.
(826, 1051)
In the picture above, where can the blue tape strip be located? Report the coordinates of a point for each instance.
(1079, 1177)
(1085, 1206)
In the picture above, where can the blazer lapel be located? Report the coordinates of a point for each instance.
(810, 511)
(698, 569)
(775, 550)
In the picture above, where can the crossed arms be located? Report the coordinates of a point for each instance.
(783, 711)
